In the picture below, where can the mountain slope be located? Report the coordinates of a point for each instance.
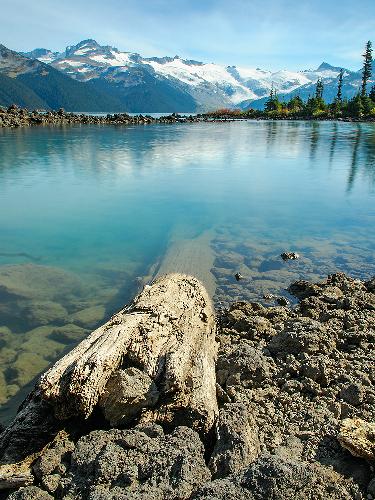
(31, 83)
(146, 93)
(14, 91)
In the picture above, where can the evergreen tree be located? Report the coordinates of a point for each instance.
(319, 89)
(272, 104)
(372, 93)
(295, 104)
(367, 105)
(339, 86)
(355, 107)
(367, 67)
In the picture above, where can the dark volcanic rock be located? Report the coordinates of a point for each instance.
(297, 396)
(289, 256)
(139, 463)
(30, 493)
(271, 477)
(237, 440)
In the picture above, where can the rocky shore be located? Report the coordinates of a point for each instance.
(293, 411)
(14, 117)
(18, 117)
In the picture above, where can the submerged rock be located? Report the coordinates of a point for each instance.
(89, 317)
(68, 334)
(289, 256)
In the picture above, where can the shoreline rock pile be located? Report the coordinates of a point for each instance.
(14, 117)
(295, 393)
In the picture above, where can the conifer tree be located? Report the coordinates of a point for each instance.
(372, 93)
(367, 67)
(339, 86)
(273, 101)
(319, 89)
(355, 106)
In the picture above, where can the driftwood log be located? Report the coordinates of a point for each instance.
(167, 333)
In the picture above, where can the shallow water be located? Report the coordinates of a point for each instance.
(87, 210)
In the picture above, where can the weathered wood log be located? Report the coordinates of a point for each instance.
(168, 332)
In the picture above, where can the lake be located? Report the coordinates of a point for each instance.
(90, 213)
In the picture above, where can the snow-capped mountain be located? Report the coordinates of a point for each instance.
(43, 55)
(210, 85)
(33, 84)
(155, 84)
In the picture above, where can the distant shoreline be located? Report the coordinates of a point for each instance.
(15, 117)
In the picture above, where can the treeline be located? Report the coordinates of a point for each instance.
(361, 106)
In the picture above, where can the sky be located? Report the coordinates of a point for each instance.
(271, 34)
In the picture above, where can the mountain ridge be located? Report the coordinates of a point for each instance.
(130, 82)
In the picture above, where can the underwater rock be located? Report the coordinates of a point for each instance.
(88, 317)
(289, 256)
(68, 334)
(31, 281)
(282, 301)
(44, 313)
(26, 367)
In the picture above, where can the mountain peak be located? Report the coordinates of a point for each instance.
(82, 47)
(89, 42)
(328, 67)
(43, 55)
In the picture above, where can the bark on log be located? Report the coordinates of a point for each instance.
(168, 332)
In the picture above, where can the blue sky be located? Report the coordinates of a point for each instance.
(290, 34)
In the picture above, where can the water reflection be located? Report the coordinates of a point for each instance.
(354, 162)
(134, 148)
(334, 135)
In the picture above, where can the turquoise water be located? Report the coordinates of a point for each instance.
(86, 211)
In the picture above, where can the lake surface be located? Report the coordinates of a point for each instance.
(89, 213)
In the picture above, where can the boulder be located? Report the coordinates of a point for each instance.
(237, 442)
(137, 463)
